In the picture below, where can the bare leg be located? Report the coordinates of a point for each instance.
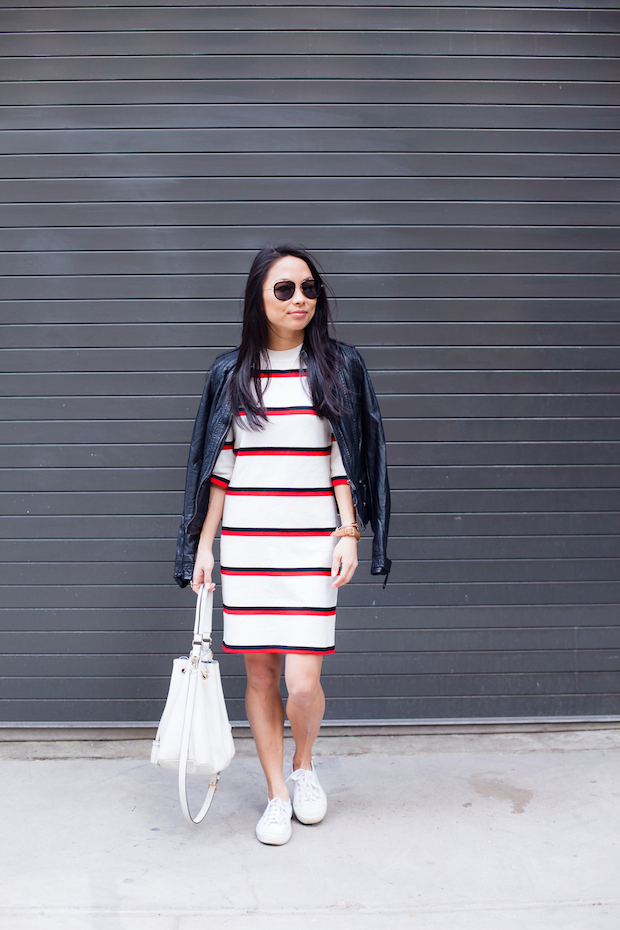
(306, 704)
(265, 711)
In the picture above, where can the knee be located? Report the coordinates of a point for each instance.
(264, 678)
(303, 690)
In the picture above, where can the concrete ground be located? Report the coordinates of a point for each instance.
(513, 831)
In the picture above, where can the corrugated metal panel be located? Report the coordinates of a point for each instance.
(453, 165)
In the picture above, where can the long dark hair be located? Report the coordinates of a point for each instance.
(322, 352)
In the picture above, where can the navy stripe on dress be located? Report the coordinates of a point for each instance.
(276, 531)
(277, 572)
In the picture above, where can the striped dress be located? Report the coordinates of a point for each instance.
(279, 511)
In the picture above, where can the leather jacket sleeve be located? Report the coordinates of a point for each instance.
(186, 544)
(378, 492)
(212, 420)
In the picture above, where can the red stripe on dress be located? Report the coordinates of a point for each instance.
(336, 481)
(285, 411)
(281, 492)
(266, 531)
(281, 611)
(290, 411)
(220, 482)
(276, 572)
(227, 445)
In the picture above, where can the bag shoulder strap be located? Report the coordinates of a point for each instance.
(203, 625)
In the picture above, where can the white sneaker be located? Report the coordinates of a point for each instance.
(308, 798)
(274, 827)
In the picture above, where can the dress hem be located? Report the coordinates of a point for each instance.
(284, 650)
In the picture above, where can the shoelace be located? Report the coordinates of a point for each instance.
(306, 785)
(276, 812)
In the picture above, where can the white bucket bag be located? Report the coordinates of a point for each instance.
(194, 734)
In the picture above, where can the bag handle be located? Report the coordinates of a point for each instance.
(203, 624)
(203, 618)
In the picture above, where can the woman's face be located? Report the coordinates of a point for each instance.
(287, 319)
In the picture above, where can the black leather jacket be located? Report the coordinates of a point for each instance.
(360, 439)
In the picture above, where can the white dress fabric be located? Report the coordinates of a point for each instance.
(279, 513)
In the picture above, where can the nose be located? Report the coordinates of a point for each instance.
(299, 296)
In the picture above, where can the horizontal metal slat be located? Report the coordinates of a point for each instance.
(405, 261)
(424, 383)
(350, 687)
(347, 311)
(365, 335)
(400, 454)
(495, 430)
(348, 161)
(466, 706)
(410, 430)
(122, 630)
(508, 452)
(396, 406)
(488, 500)
(500, 85)
(143, 477)
(180, 46)
(195, 116)
(157, 526)
(371, 707)
(427, 571)
(532, 661)
(303, 18)
(422, 594)
(440, 357)
(265, 130)
(336, 238)
(485, 286)
(414, 548)
(326, 177)
(459, 4)
(340, 212)
(430, 642)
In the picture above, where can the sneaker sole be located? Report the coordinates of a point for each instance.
(268, 840)
(312, 821)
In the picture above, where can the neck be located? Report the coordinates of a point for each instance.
(282, 343)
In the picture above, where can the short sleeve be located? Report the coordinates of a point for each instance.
(338, 473)
(225, 462)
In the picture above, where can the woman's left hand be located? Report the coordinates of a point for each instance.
(344, 561)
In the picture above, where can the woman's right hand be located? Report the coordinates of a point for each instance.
(203, 569)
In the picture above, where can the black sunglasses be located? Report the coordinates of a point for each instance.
(284, 290)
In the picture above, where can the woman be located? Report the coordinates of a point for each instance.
(288, 433)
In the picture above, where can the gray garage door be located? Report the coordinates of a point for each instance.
(452, 166)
